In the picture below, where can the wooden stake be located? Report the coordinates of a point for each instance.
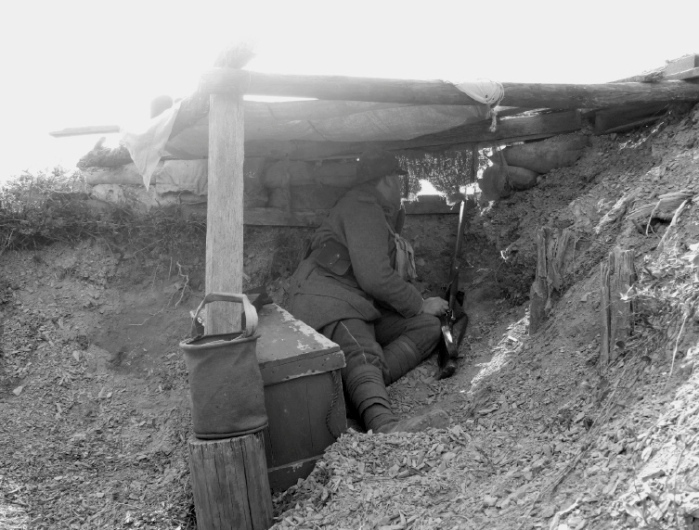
(617, 275)
(555, 251)
(230, 484)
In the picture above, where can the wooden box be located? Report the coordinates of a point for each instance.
(303, 394)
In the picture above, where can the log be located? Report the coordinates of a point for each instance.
(526, 95)
(617, 275)
(230, 483)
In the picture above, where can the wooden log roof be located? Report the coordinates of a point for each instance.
(397, 114)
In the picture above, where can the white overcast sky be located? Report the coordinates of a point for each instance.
(70, 63)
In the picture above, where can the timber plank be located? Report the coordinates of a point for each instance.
(610, 119)
(89, 129)
(681, 64)
(313, 219)
(676, 69)
(689, 74)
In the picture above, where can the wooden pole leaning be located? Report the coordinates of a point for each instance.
(230, 483)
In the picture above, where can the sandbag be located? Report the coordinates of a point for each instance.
(126, 174)
(545, 155)
(498, 182)
(176, 176)
(520, 178)
(169, 176)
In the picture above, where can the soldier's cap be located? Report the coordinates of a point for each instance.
(377, 163)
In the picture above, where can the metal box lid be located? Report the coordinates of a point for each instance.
(288, 348)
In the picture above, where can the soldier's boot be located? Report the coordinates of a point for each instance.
(367, 393)
(437, 419)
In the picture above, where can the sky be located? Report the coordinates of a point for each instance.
(73, 63)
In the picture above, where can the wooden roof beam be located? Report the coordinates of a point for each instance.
(525, 95)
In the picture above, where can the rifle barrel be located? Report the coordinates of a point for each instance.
(459, 235)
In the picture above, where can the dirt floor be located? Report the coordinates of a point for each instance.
(94, 402)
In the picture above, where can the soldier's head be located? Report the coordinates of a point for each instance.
(383, 171)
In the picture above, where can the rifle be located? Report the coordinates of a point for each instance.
(448, 349)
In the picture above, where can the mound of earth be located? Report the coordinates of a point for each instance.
(95, 403)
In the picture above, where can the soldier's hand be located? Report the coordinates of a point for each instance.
(434, 306)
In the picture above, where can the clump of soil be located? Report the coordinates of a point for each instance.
(95, 402)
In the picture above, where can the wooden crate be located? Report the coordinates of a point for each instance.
(303, 394)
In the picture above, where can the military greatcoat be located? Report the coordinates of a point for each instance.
(367, 285)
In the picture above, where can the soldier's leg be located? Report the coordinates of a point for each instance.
(364, 380)
(406, 342)
(363, 372)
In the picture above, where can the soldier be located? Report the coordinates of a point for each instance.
(354, 287)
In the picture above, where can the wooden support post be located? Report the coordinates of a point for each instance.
(224, 219)
(617, 275)
(230, 483)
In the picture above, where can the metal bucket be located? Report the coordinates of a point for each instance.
(224, 378)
